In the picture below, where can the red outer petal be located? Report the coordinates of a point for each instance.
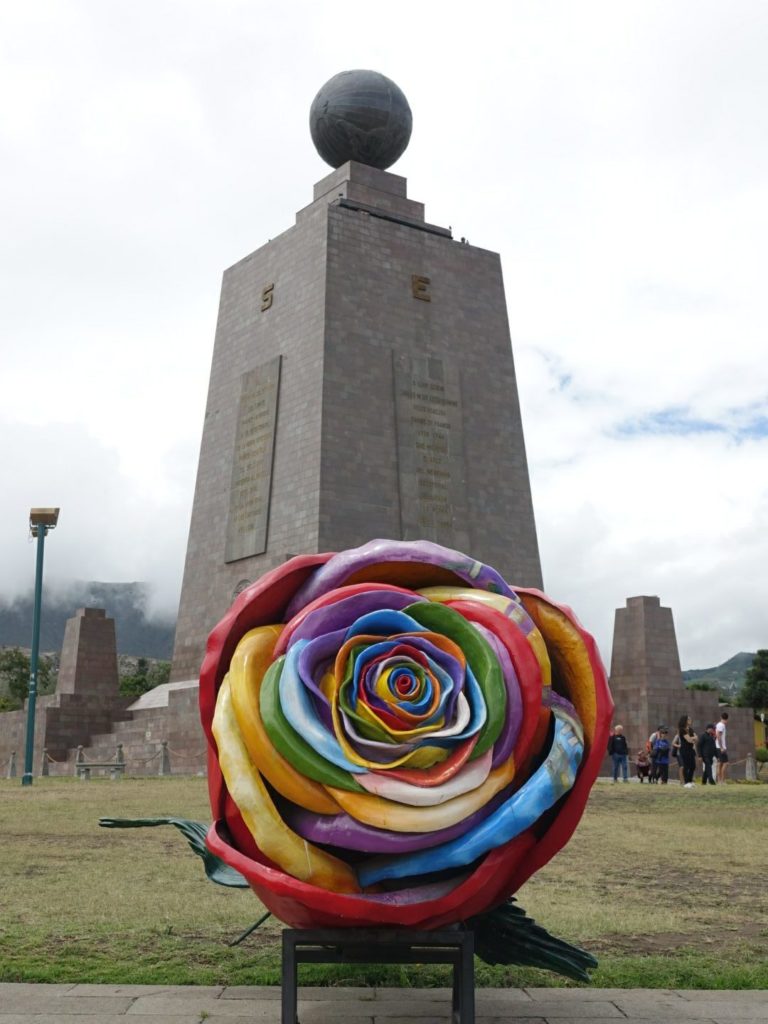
(261, 604)
(301, 905)
(571, 808)
(298, 904)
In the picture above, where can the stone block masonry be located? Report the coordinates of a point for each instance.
(362, 385)
(88, 662)
(87, 710)
(648, 688)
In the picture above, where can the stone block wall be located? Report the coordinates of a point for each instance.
(89, 655)
(397, 411)
(65, 722)
(86, 709)
(647, 683)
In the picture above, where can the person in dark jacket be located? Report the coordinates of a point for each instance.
(619, 751)
(708, 753)
(660, 752)
(685, 742)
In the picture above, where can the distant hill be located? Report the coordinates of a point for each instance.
(126, 603)
(728, 677)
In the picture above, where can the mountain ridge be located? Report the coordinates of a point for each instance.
(728, 677)
(138, 633)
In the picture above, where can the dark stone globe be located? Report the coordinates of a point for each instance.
(363, 116)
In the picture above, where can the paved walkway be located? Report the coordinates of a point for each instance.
(155, 1004)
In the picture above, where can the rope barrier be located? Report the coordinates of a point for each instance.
(187, 757)
(146, 760)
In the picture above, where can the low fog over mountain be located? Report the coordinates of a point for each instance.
(126, 603)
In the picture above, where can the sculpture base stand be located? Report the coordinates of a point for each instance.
(381, 946)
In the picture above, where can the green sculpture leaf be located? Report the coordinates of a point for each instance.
(194, 832)
(507, 935)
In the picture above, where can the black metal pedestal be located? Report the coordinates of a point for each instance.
(381, 946)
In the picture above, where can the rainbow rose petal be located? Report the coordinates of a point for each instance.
(397, 736)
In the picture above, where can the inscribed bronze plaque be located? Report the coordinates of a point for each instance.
(430, 450)
(249, 494)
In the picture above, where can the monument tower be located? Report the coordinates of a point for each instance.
(362, 382)
(648, 687)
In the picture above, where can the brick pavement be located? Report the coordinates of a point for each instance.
(175, 1004)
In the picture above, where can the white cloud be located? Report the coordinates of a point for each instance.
(112, 526)
(613, 153)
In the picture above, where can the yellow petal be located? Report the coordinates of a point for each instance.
(251, 659)
(278, 842)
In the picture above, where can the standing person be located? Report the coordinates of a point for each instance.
(660, 754)
(676, 741)
(722, 747)
(619, 751)
(708, 752)
(649, 747)
(687, 740)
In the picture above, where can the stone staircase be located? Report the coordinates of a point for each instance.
(142, 729)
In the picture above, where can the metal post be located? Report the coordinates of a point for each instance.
(26, 779)
(165, 759)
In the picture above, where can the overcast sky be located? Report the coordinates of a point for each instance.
(613, 152)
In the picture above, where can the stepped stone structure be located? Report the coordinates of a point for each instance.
(362, 385)
(86, 700)
(88, 662)
(87, 711)
(647, 683)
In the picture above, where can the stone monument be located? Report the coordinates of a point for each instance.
(362, 383)
(647, 683)
(88, 663)
(87, 700)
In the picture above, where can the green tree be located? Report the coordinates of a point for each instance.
(159, 673)
(146, 677)
(14, 676)
(754, 692)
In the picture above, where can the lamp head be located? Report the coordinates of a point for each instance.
(45, 517)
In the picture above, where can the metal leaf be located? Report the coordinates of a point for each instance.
(194, 832)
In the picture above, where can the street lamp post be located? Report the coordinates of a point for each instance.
(41, 520)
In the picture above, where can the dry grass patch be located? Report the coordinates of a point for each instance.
(669, 887)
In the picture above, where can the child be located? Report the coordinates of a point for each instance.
(643, 765)
(660, 754)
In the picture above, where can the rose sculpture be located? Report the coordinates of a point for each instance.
(396, 736)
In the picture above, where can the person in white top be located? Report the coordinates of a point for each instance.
(722, 746)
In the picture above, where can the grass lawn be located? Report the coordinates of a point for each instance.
(667, 887)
